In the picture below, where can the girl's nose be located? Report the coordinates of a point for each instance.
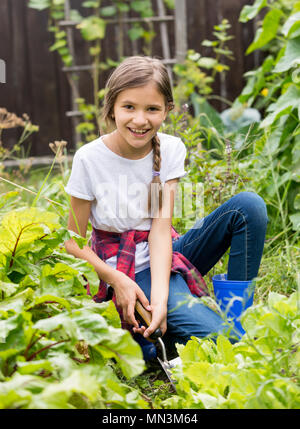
(140, 118)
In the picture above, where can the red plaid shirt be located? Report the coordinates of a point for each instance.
(107, 244)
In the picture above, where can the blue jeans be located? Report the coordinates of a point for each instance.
(240, 223)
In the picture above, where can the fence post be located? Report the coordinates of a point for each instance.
(2, 71)
(72, 77)
(180, 30)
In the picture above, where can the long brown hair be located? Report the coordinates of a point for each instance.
(133, 72)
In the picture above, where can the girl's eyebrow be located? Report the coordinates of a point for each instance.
(149, 105)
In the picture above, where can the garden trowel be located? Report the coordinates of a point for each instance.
(144, 317)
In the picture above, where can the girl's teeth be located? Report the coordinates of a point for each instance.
(138, 131)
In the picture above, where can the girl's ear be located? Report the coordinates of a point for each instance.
(170, 107)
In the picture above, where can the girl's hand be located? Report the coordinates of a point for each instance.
(127, 292)
(159, 319)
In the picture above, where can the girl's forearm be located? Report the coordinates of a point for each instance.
(160, 248)
(105, 272)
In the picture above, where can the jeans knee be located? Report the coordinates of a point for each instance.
(253, 206)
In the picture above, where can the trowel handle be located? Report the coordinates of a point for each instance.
(144, 317)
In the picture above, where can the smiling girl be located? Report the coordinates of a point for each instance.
(124, 182)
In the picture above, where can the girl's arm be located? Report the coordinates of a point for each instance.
(81, 209)
(126, 290)
(160, 248)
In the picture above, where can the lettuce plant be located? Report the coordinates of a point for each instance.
(260, 371)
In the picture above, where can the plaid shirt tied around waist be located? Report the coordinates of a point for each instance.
(108, 244)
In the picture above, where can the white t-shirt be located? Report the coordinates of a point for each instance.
(118, 187)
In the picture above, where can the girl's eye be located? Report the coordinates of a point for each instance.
(153, 109)
(128, 106)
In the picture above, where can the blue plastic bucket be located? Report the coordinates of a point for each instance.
(233, 297)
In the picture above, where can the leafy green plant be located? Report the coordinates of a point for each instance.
(260, 371)
(10, 120)
(214, 174)
(56, 344)
(274, 89)
(197, 73)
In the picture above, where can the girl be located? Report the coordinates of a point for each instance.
(135, 250)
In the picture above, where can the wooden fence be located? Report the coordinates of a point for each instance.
(36, 85)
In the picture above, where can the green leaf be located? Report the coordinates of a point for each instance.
(92, 28)
(91, 327)
(91, 3)
(8, 325)
(208, 116)
(142, 6)
(135, 32)
(5, 198)
(284, 105)
(12, 331)
(120, 345)
(250, 12)
(295, 219)
(62, 320)
(209, 43)
(56, 395)
(108, 11)
(16, 303)
(287, 306)
(59, 270)
(8, 288)
(297, 202)
(207, 62)
(191, 352)
(123, 7)
(268, 31)
(18, 391)
(31, 367)
(39, 4)
(45, 298)
(57, 45)
(75, 15)
(85, 324)
(109, 312)
(291, 56)
(19, 229)
(225, 350)
(291, 26)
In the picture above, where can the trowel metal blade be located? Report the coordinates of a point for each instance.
(167, 366)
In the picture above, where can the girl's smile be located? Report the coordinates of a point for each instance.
(138, 114)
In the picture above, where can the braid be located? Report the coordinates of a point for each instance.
(156, 191)
(156, 153)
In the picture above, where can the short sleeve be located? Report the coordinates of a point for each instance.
(79, 184)
(176, 160)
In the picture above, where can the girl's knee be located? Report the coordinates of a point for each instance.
(197, 320)
(253, 206)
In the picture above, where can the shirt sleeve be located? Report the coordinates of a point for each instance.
(176, 161)
(79, 184)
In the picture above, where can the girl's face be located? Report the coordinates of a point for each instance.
(138, 113)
